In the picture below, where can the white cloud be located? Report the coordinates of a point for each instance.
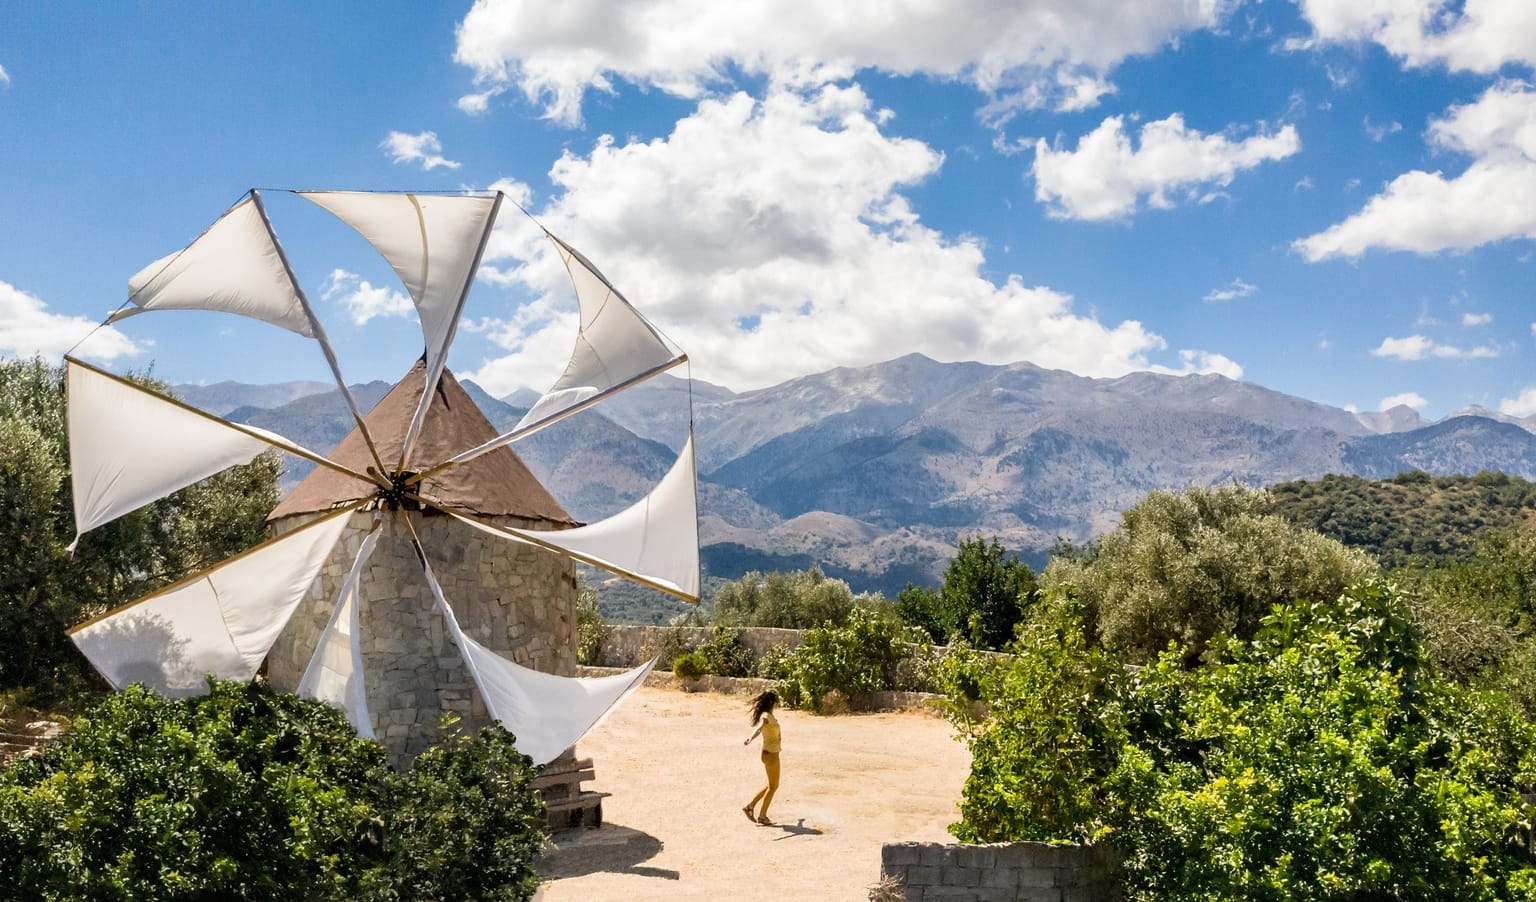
(5, 78)
(1052, 53)
(770, 238)
(1378, 133)
(1418, 347)
(1477, 35)
(1494, 199)
(1476, 319)
(27, 329)
(1406, 399)
(1237, 288)
(1104, 178)
(423, 148)
(1523, 405)
(362, 300)
(1202, 362)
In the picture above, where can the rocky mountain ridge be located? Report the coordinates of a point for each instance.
(875, 473)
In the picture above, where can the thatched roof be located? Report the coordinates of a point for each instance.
(495, 484)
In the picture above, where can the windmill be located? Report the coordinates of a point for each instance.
(404, 470)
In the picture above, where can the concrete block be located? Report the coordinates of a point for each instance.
(979, 857)
(934, 855)
(922, 875)
(903, 853)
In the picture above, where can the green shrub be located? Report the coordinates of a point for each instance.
(591, 632)
(463, 822)
(246, 793)
(796, 600)
(775, 663)
(863, 656)
(724, 654)
(690, 666)
(1040, 757)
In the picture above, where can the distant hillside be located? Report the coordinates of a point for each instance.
(876, 473)
(1411, 515)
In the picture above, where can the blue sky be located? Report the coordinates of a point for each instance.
(1332, 198)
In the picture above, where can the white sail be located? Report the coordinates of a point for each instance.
(129, 446)
(222, 621)
(654, 541)
(434, 243)
(233, 267)
(545, 713)
(616, 347)
(335, 672)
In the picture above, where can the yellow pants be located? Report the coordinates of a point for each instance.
(771, 765)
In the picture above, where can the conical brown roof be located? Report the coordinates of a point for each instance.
(495, 484)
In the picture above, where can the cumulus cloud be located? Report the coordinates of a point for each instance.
(1494, 199)
(5, 78)
(1237, 288)
(1475, 35)
(1106, 178)
(1476, 319)
(1407, 399)
(1040, 53)
(770, 238)
(27, 329)
(423, 148)
(1418, 347)
(1522, 405)
(361, 299)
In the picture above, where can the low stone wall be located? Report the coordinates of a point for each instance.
(1003, 872)
(630, 646)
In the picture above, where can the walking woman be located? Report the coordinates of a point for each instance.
(768, 726)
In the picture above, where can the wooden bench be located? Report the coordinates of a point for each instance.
(566, 804)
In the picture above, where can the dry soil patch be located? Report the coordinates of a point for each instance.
(679, 775)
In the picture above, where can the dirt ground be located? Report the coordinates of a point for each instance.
(679, 775)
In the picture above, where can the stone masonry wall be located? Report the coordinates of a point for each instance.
(514, 599)
(1003, 872)
(631, 646)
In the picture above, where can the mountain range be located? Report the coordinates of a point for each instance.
(875, 473)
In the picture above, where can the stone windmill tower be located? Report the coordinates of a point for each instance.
(517, 600)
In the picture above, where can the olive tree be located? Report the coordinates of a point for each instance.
(1185, 566)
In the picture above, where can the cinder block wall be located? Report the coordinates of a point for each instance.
(1003, 872)
(517, 600)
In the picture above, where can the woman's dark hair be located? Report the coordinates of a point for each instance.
(762, 704)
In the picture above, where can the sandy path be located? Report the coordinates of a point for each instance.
(679, 776)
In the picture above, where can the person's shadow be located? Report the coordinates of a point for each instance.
(609, 849)
(796, 829)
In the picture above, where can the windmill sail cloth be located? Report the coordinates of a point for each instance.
(615, 348)
(655, 540)
(233, 267)
(614, 345)
(545, 713)
(220, 622)
(128, 446)
(434, 244)
(335, 673)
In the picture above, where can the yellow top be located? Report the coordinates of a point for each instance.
(770, 733)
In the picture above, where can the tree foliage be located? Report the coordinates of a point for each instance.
(795, 600)
(1410, 516)
(44, 589)
(1323, 759)
(246, 793)
(872, 651)
(1187, 566)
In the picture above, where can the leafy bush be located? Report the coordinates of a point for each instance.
(463, 822)
(246, 793)
(1323, 759)
(724, 654)
(1040, 757)
(591, 632)
(690, 666)
(863, 656)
